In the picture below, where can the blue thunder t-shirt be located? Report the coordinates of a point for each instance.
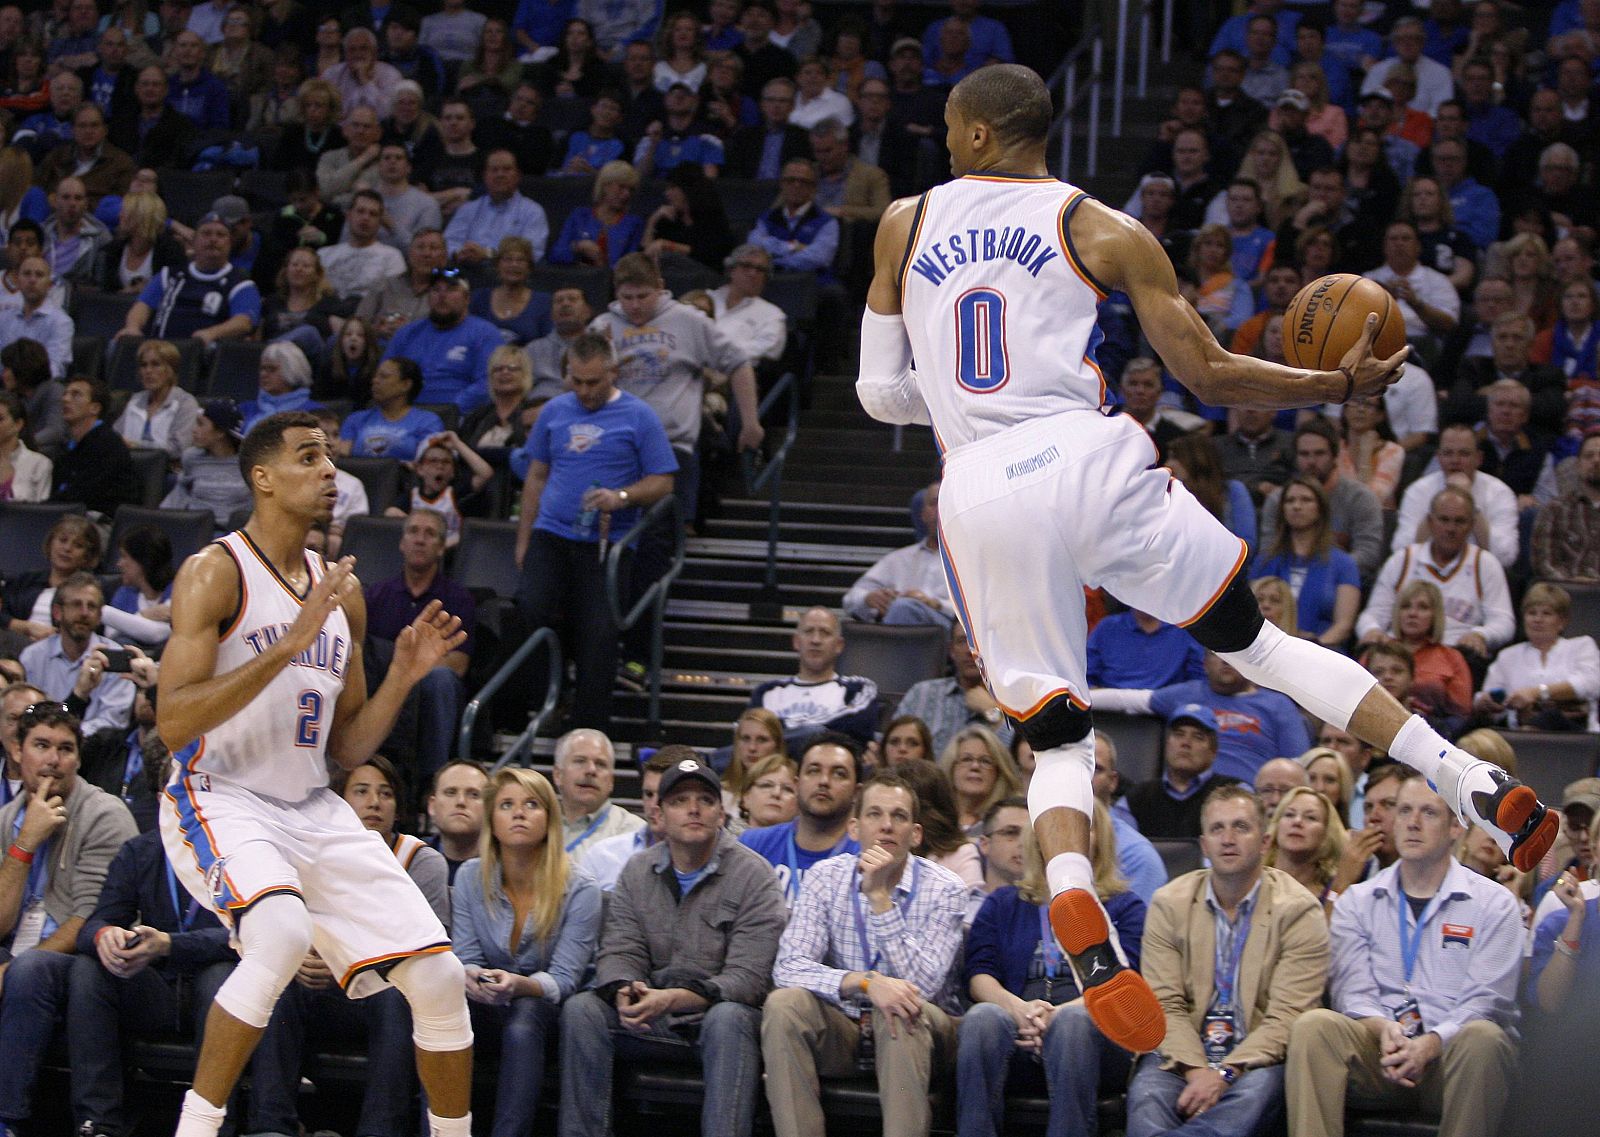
(1252, 728)
(777, 844)
(373, 436)
(454, 361)
(612, 447)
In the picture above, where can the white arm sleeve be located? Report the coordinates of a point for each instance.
(885, 386)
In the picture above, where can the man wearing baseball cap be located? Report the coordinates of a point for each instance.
(210, 477)
(244, 241)
(1308, 151)
(209, 299)
(685, 963)
(1169, 806)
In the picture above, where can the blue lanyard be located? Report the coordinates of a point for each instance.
(1227, 972)
(39, 869)
(187, 919)
(861, 916)
(1412, 945)
(791, 855)
(599, 819)
(1053, 956)
(133, 765)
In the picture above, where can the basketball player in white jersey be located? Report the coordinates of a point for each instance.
(261, 684)
(981, 321)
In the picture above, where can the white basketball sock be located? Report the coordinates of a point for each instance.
(199, 1118)
(449, 1126)
(1069, 870)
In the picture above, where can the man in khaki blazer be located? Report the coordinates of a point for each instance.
(1235, 953)
(850, 189)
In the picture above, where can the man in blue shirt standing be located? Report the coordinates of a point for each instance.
(595, 457)
(451, 346)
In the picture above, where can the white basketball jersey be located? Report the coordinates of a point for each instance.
(1000, 313)
(275, 746)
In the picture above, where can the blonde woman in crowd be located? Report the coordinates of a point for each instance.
(981, 772)
(1306, 840)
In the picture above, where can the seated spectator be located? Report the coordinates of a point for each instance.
(75, 829)
(102, 167)
(454, 344)
(605, 860)
(902, 969)
(303, 306)
(1227, 1035)
(1324, 113)
(417, 63)
(584, 774)
(38, 317)
(1170, 806)
(1329, 596)
(391, 607)
(1476, 206)
(763, 150)
(393, 426)
(1472, 615)
(763, 58)
(591, 150)
(501, 423)
(141, 247)
(353, 166)
(1133, 649)
(455, 811)
(95, 467)
(1434, 82)
(25, 372)
(1275, 779)
(1222, 299)
(606, 232)
(73, 236)
(1572, 344)
(24, 473)
(362, 80)
(450, 165)
(24, 88)
(1371, 454)
(479, 225)
(1427, 299)
(1545, 401)
(798, 235)
(679, 137)
(520, 131)
(690, 221)
(189, 301)
(1027, 1016)
(361, 262)
(161, 416)
(818, 698)
(243, 63)
(570, 315)
(757, 326)
(981, 772)
(193, 91)
(1329, 774)
(1561, 979)
(73, 545)
(944, 706)
(285, 384)
(1141, 399)
(815, 101)
(491, 75)
(208, 477)
(68, 666)
(1548, 681)
(664, 957)
(515, 993)
(1277, 603)
(315, 1004)
(949, 65)
(849, 189)
(829, 772)
(1565, 543)
(1494, 521)
(307, 221)
(1256, 453)
(1307, 842)
(1397, 1010)
(1137, 859)
(302, 144)
(520, 313)
(1444, 247)
(408, 209)
(40, 133)
(770, 795)
(403, 298)
(906, 586)
(442, 485)
(1507, 452)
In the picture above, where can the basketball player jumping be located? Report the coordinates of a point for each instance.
(261, 682)
(981, 321)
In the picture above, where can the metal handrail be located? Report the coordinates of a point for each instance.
(524, 743)
(770, 476)
(1092, 44)
(654, 597)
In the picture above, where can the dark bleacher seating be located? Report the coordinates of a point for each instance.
(1585, 616)
(559, 197)
(88, 356)
(1138, 742)
(449, 413)
(189, 530)
(375, 544)
(1549, 760)
(23, 525)
(381, 477)
(189, 193)
(264, 189)
(1178, 856)
(150, 467)
(894, 657)
(235, 371)
(744, 200)
(100, 314)
(685, 274)
(485, 560)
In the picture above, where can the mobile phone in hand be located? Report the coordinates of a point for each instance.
(117, 660)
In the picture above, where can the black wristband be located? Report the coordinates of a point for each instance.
(1349, 385)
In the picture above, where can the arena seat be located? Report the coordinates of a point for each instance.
(1549, 760)
(24, 524)
(448, 413)
(1178, 856)
(485, 564)
(375, 544)
(894, 657)
(685, 274)
(150, 468)
(1138, 742)
(189, 530)
(88, 355)
(1585, 617)
(381, 477)
(235, 371)
(189, 193)
(100, 313)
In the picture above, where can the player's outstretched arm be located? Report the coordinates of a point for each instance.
(205, 595)
(885, 385)
(1123, 254)
(361, 724)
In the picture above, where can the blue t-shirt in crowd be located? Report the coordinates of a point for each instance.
(372, 436)
(1122, 655)
(777, 844)
(1318, 586)
(1006, 943)
(1252, 729)
(612, 447)
(454, 361)
(595, 151)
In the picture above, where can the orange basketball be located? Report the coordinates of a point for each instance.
(1326, 317)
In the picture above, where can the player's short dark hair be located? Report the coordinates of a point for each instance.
(470, 763)
(1010, 98)
(48, 714)
(266, 438)
(887, 780)
(832, 738)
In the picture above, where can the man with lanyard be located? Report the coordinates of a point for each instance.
(14, 699)
(604, 860)
(61, 834)
(864, 970)
(583, 776)
(146, 943)
(1235, 953)
(830, 770)
(1426, 958)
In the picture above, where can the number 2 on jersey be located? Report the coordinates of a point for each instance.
(982, 365)
(308, 727)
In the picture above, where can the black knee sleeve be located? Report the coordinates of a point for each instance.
(1057, 723)
(1233, 622)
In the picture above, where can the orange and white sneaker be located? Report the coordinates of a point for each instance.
(1117, 997)
(1513, 815)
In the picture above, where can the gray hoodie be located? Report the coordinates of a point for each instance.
(663, 361)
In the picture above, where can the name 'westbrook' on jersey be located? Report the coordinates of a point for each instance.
(1001, 317)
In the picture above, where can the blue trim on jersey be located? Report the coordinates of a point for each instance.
(181, 794)
(1072, 250)
(954, 586)
(1096, 338)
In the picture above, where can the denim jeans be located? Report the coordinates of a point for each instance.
(728, 1053)
(102, 1010)
(519, 1033)
(384, 1020)
(904, 610)
(1248, 1108)
(31, 1005)
(438, 713)
(1077, 1061)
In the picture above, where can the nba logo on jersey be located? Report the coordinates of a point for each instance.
(215, 876)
